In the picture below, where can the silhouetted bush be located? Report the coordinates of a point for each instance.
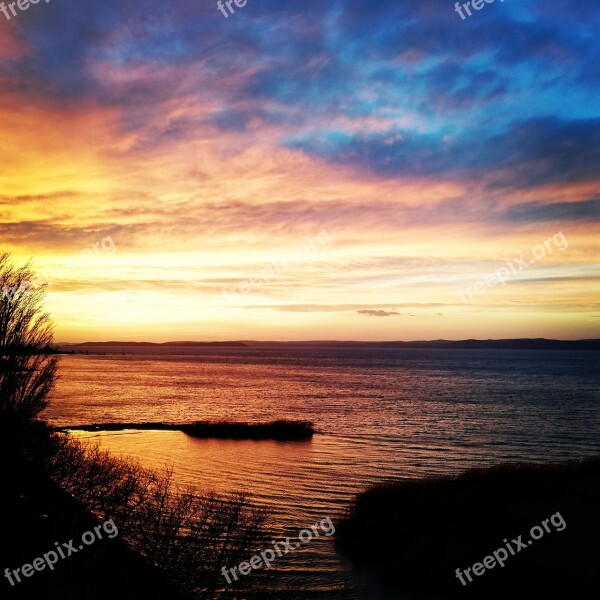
(189, 537)
(413, 535)
(27, 365)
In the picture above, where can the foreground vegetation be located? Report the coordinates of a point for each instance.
(27, 362)
(413, 535)
(41, 513)
(185, 536)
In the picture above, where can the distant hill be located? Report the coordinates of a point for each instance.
(138, 344)
(508, 344)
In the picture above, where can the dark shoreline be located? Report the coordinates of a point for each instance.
(40, 515)
(412, 536)
(282, 431)
(469, 344)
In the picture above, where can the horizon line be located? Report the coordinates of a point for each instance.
(327, 341)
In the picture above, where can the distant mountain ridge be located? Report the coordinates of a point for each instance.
(115, 343)
(506, 344)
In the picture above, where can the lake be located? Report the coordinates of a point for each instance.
(380, 414)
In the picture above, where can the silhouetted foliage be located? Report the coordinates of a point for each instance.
(27, 365)
(189, 537)
(413, 535)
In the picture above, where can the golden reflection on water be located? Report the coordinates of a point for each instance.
(211, 464)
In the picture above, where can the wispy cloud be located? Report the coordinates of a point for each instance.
(377, 313)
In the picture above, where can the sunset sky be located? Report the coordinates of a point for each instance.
(392, 151)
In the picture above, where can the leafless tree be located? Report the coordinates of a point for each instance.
(27, 364)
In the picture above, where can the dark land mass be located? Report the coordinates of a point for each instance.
(412, 536)
(508, 344)
(38, 514)
(282, 431)
(134, 344)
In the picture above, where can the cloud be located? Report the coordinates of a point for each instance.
(377, 313)
(532, 153)
(556, 211)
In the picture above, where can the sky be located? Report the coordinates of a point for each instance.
(366, 170)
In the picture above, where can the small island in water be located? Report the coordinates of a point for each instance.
(280, 430)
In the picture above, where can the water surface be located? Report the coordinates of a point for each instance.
(381, 414)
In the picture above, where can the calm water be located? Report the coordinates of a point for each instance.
(382, 414)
